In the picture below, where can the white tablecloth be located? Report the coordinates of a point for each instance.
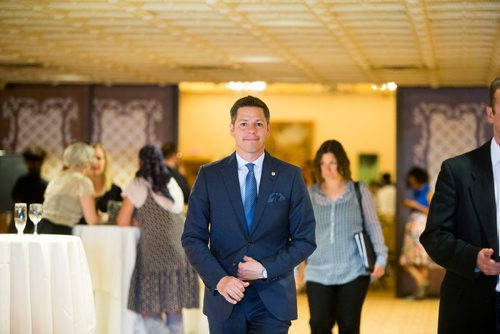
(111, 252)
(45, 285)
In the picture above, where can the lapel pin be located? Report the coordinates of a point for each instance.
(273, 173)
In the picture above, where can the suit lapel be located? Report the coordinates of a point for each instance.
(267, 180)
(230, 176)
(482, 193)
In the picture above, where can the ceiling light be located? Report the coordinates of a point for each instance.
(260, 59)
(257, 86)
(392, 86)
(385, 86)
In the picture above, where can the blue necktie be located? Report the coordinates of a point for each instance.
(250, 195)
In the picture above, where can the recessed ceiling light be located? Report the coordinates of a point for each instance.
(392, 86)
(256, 86)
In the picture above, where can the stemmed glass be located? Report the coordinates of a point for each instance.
(36, 210)
(20, 217)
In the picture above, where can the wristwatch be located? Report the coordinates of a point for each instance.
(264, 273)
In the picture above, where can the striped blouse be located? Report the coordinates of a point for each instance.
(336, 259)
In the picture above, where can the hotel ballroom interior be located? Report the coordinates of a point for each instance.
(400, 83)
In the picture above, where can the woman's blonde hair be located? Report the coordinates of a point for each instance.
(78, 155)
(107, 173)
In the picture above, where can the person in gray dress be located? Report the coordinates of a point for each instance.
(163, 281)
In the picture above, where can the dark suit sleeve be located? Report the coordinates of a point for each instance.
(302, 240)
(196, 236)
(440, 238)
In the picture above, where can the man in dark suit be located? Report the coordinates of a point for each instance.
(249, 223)
(462, 233)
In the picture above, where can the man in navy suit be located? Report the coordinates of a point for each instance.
(246, 229)
(462, 234)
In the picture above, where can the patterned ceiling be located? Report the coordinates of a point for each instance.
(327, 42)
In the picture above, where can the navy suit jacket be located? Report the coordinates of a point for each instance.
(461, 221)
(215, 235)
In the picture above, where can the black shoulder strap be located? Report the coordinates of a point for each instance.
(358, 196)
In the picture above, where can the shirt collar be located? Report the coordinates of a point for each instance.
(242, 162)
(495, 152)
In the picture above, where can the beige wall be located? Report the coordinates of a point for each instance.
(362, 122)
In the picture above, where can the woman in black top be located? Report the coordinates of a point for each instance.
(105, 189)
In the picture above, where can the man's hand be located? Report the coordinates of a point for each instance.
(231, 288)
(250, 269)
(486, 264)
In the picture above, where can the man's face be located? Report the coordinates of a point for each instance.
(250, 131)
(494, 118)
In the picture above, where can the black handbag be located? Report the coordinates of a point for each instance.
(363, 241)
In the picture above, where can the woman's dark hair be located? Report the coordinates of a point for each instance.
(343, 164)
(420, 175)
(153, 169)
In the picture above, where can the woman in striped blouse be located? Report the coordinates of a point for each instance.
(336, 280)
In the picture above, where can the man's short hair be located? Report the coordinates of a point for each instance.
(169, 149)
(249, 101)
(386, 178)
(34, 153)
(494, 86)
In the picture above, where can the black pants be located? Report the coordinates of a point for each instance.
(45, 226)
(337, 304)
(249, 316)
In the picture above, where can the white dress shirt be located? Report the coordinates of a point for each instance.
(495, 162)
(243, 171)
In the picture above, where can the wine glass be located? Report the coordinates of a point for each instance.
(35, 213)
(20, 217)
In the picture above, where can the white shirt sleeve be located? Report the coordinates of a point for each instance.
(137, 192)
(177, 195)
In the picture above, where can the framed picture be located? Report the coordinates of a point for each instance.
(291, 141)
(368, 167)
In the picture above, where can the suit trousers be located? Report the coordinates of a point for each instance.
(497, 312)
(341, 304)
(249, 316)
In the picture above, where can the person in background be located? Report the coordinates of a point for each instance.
(386, 208)
(70, 194)
(163, 281)
(171, 159)
(336, 279)
(462, 233)
(374, 186)
(30, 187)
(249, 223)
(101, 176)
(414, 258)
